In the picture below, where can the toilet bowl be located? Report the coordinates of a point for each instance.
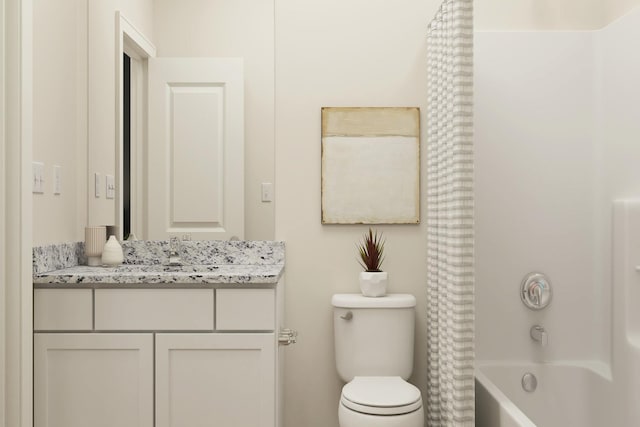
(374, 356)
(380, 402)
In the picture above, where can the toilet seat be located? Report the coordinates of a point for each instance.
(381, 396)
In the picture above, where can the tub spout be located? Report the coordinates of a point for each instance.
(539, 334)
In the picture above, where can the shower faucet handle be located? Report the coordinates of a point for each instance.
(535, 291)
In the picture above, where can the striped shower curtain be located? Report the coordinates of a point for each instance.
(450, 280)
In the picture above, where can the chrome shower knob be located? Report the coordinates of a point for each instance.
(535, 291)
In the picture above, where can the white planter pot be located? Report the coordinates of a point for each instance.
(374, 284)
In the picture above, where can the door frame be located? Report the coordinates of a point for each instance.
(139, 48)
(16, 343)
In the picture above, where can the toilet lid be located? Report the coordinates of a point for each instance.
(381, 396)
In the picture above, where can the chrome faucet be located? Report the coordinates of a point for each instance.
(538, 333)
(535, 291)
(174, 252)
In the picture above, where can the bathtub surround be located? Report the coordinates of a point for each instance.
(625, 340)
(586, 141)
(589, 151)
(450, 275)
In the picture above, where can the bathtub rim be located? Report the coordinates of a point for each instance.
(595, 367)
(505, 403)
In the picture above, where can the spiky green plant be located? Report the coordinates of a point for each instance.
(371, 251)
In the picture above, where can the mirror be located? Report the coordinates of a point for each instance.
(77, 63)
(191, 159)
(217, 33)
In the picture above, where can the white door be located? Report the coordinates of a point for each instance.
(196, 148)
(215, 380)
(97, 380)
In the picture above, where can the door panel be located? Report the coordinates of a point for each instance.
(196, 148)
(97, 380)
(215, 380)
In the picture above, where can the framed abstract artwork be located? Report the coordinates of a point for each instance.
(370, 165)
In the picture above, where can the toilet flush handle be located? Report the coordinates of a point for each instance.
(347, 316)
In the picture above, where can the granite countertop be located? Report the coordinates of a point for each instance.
(205, 263)
(161, 274)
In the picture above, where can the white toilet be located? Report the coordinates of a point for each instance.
(374, 355)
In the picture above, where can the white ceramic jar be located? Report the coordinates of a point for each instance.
(112, 253)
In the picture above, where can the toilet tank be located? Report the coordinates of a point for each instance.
(373, 336)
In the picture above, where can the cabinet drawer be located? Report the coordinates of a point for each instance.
(245, 309)
(62, 309)
(154, 309)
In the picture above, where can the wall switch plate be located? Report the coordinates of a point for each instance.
(97, 184)
(57, 179)
(37, 177)
(111, 187)
(267, 192)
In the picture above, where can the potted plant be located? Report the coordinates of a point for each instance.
(373, 281)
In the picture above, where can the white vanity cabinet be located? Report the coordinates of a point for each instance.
(228, 378)
(165, 357)
(98, 380)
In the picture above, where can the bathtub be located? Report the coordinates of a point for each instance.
(566, 395)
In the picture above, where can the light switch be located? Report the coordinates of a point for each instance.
(57, 179)
(97, 184)
(267, 192)
(37, 177)
(111, 187)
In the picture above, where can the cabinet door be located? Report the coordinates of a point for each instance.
(97, 380)
(215, 380)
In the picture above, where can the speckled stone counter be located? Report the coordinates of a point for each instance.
(205, 263)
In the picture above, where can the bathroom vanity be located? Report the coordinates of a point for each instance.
(157, 345)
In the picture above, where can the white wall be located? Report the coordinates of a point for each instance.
(535, 134)
(524, 15)
(614, 9)
(102, 93)
(337, 53)
(60, 117)
(233, 28)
